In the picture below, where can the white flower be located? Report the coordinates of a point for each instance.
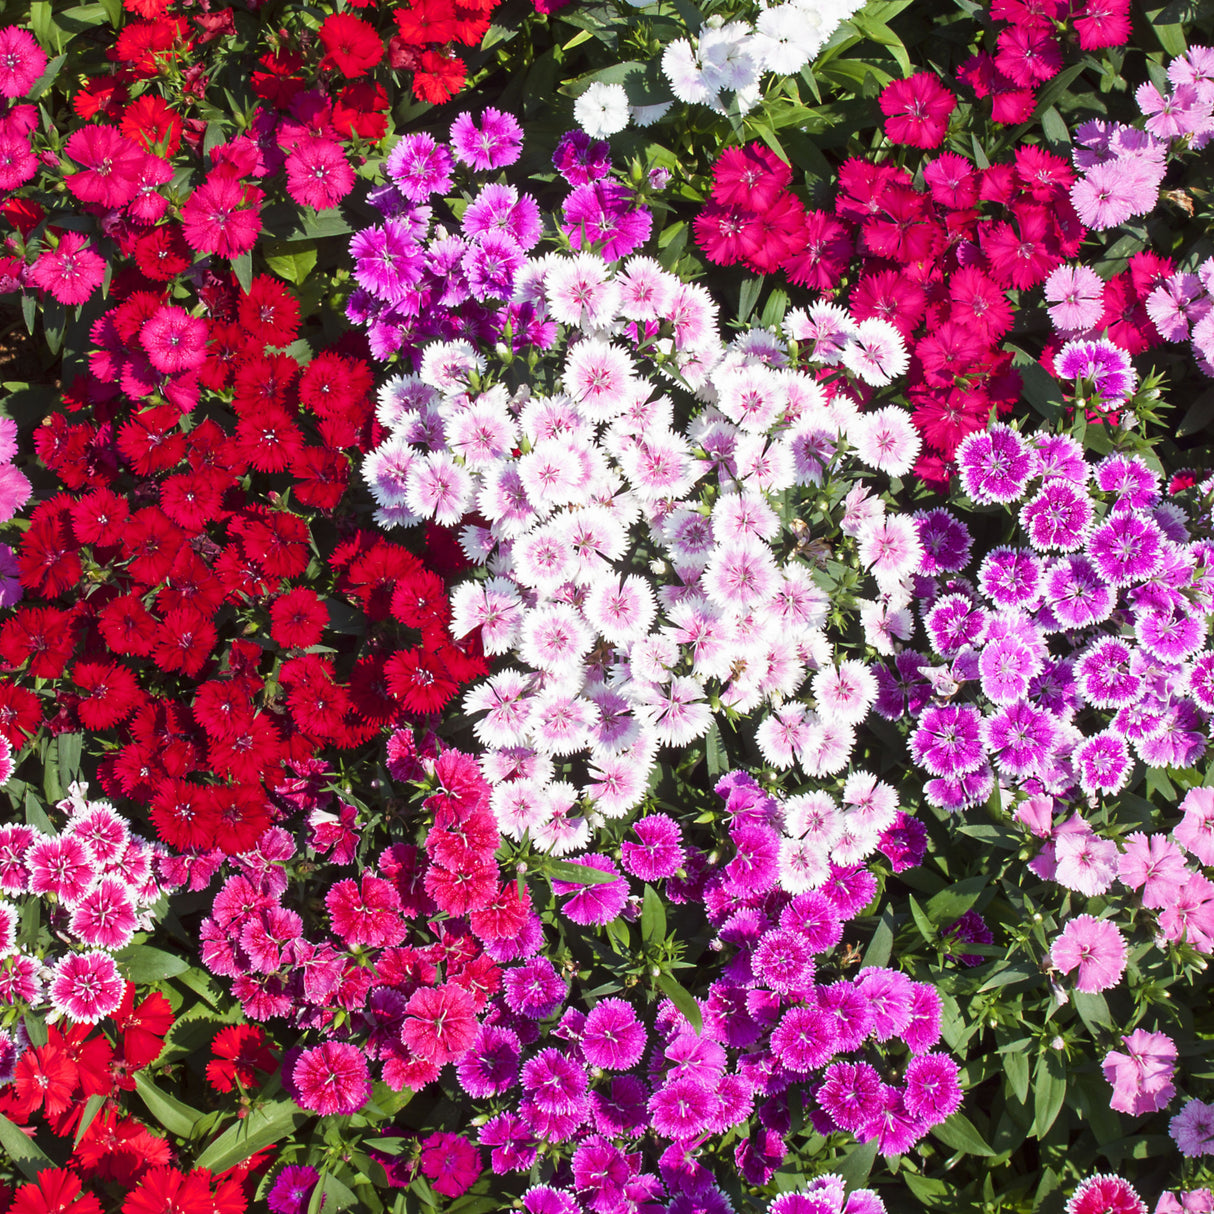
(647, 115)
(602, 110)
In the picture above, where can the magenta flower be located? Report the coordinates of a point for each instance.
(450, 1163)
(612, 1037)
(367, 913)
(497, 142)
(994, 465)
(1094, 946)
(605, 216)
(598, 903)
(420, 167)
(330, 1078)
(292, 1189)
(318, 174)
(805, 1038)
(22, 61)
(1105, 1195)
(174, 340)
(659, 852)
(933, 1091)
(85, 986)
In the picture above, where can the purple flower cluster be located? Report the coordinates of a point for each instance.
(418, 281)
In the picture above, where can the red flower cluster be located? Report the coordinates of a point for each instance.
(190, 520)
(1028, 49)
(57, 1080)
(935, 262)
(427, 33)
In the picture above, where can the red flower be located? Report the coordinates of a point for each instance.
(358, 110)
(321, 477)
(353, 46)
(45, 1078)
(127, 626)
(143, 1028)
(145, 45)
(56, 1191)
(298, 619)
(420, 600)
(420, 680)
(240, 1052)
(278, 542)
(269, 313)
(181, 816)
(725, 232)
(440, 1024)
(751, 177)
(149, 121)
(917, 110)
(426, 23)
(42, 636)
(439, 77)
(108, 693)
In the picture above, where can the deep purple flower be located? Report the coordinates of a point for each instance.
(620, 1109)
(534, 988)
(903, 689)
(554, 1081)
(946, 542)
(491, 1065)
(904, 843)
(1011, 577)
(971, 928)
(580, 159)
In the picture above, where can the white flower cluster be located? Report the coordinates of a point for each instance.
(726, 57)
(617, 657)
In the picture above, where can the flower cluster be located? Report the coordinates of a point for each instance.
(936, 262)
(1029, 49)
(96, 883)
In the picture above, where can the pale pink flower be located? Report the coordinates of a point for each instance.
(1096, 947)
(1141, 1077)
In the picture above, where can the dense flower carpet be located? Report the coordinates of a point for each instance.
(606, 606)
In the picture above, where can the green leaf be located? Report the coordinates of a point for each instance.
(1171, 38)
(171, 1113)
(332, 1194)
(242, 267)
(577, 874)
(1016, 1068)
(47, 78)
(653, 916)
(70, 745)
(1054, 127)
(143, 964)
(92, 1107)
(922, 922)
(24, 1153)
(879, 32)
(951, 903)
(961, 1134)
(682, 998)
(714, 754)
(1093, 1011)
(859, 1162)
(265, 1124)
(1049, 1092)
(882, 944)
(752, 288)
(294, 262)
(35, 815)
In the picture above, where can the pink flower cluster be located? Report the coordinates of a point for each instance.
(97, 883)
(414, 946)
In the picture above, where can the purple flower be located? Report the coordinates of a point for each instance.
(534, 989)
(1021, 737)
(904, 843)
(1130, 478)
(1106, 365)
(1077, 594)
(902, 689)
(954, 622)
(948, 740)
(499, 208)
(580, 159)
(889, 996)
(420, 167)
(1171, 634)
(621, 1108)
(1126, 548)
(613, 1039)
(497, 142)
(555, 1082)
(946, 542)
(971, 928)
(755, 867)
(850, 889)
(542, 1199)
(1056, 517)
(994, 465)
(292, 1189)
(955, 793)
(659, 852)
(1104, 676)
(604, 215)
(490, 1066)
(784, 961)
(515, 1146)
(387, 261)
(1011, 577)
(491, 263)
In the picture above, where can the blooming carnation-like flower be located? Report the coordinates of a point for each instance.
(1096, 948)
(331, 1078)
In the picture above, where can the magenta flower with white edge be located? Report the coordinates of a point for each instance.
(85, 987)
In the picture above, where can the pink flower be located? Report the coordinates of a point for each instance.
(330, 1078)
(1156, 864)
(71, 271)
(86, 986)
(111, 165)
(220, 216)
(318, 174)
(441, 1024)
(174, 340)
(1096, 947)
(1141, 1078)
(612, 1037)
(367, 914)
(1105, 1195)
(1196, 832)
(22, 61)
